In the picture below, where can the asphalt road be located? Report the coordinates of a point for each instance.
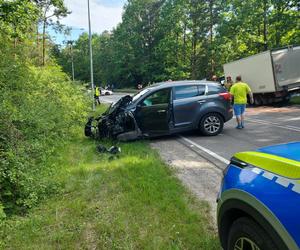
(112, 98)
(264, 126)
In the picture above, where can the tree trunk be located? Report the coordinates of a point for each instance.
(184, 42)
(277, 28)
(211, 25)
(44, 42)
(194, 52)
(265, 26)
(38, 41)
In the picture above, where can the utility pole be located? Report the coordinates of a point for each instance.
(91, 55)
(71, 42)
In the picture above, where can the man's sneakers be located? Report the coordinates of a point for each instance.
(240, 126)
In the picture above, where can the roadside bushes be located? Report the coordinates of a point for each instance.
(40, 110)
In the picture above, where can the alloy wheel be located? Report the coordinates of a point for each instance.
(244, 243)
(212, 124)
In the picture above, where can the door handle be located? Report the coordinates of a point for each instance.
(161, 111)
(202, 101)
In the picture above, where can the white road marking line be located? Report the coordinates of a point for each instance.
(213, 154)
(273, 124)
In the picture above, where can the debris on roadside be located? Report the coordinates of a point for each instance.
(112, 150)
(101, 149)
(89, 128)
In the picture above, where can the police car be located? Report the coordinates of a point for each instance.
(259, 200)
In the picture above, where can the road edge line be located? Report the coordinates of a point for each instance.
(211, 153)
(287, 127)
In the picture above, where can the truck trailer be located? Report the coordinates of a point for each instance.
(272, 75)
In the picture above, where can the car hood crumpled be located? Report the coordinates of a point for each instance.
(118, 122)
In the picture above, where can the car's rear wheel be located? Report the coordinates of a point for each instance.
(246, 234)
(211, 124)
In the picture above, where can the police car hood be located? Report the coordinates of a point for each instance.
(289, 150)
(283, 159)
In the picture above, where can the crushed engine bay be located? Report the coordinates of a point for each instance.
(116, 123)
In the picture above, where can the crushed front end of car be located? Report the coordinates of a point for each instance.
(116, 123)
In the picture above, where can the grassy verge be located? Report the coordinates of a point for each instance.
(295, 100)
(132, 201)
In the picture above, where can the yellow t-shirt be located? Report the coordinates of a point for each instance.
(97, 92)
(239, 91)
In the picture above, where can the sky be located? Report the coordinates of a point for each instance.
(105, 15)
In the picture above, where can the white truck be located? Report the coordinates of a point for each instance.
(272, 75)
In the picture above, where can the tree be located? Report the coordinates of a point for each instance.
(49, 9)
(159, 40)
(16, 18)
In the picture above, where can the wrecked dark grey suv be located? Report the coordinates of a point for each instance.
(166, 108)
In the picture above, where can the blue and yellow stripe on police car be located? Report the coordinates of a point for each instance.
(294, 185)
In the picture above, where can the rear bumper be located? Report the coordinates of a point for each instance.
(228, 116)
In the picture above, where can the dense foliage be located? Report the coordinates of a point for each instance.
(184, 39)
(39, 110)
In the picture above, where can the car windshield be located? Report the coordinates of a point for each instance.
(139, 94)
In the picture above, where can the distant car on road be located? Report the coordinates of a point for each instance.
(168, 108)
(259, 201)
(106, 92)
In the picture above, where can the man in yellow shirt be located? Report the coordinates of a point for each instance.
(239, 91)
(97, 95)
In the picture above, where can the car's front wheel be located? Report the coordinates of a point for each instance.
(211, 124)
(246, 234)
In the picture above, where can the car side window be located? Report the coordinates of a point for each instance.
(212, 90)
(158, 97)
(201, 89)
(182, 92)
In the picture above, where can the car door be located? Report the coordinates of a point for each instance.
(187, 103)
(153, 112)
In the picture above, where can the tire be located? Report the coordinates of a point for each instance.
(211, 124)
(258, 100)
(107, 93)
(245, 231)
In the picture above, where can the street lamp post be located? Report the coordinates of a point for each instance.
(91, 55)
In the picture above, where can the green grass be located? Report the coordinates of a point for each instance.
(295, 100)
(132, 201)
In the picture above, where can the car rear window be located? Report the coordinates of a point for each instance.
(182, 92)
(215, 89)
